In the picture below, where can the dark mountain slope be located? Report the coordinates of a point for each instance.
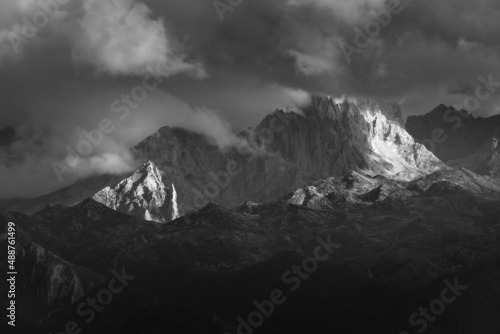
(459, 139)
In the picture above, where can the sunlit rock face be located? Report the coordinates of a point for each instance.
(287, 151)
(143, 194)
(367, 136)
(460, 139)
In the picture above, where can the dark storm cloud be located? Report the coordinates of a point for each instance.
(426, 49)
(230, 73)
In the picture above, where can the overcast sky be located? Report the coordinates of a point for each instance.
(218, 68)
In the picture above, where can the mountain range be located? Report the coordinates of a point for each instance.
(207, 233)
(284, 152)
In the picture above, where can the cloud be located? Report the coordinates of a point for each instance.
(289, 98)
(264, 55)
(219, 131)
(163, 109)
(119, 37)
(116, 163)
(27, 163)
(12, 10)
(311, 65)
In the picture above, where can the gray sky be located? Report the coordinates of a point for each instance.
(62, 71)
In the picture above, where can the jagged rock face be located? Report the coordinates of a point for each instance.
(184, 159)
(459, 139)
(143, 195)
(293, 150)
(366, 136)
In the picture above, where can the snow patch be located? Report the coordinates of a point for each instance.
(175, 209)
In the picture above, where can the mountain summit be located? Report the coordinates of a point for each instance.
(143, 194)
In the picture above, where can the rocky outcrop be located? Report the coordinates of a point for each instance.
(143, 195)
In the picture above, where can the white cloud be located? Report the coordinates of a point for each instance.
(167, 110)
(121, 38)
(105, 163)
(289, 98)
(11, 11)
(311, 64)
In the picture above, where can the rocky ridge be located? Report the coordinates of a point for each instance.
(396, 237)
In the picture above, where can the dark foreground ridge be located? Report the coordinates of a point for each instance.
(389, 247)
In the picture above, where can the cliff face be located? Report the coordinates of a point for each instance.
(366, 136)
(459, 139)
